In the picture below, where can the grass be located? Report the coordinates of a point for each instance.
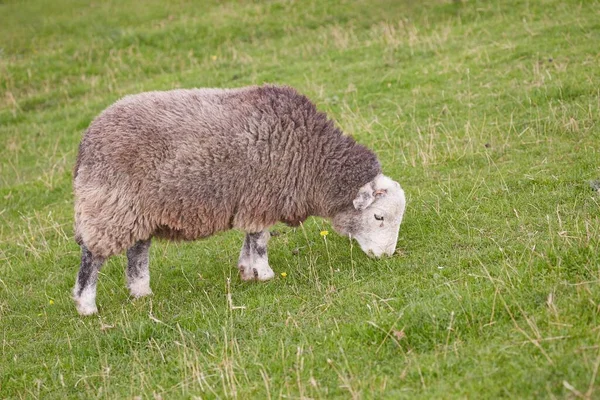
(487, 112)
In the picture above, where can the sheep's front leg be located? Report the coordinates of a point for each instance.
(254, 262)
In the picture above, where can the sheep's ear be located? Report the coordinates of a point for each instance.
(365, 197)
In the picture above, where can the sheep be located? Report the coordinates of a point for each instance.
(185, 164)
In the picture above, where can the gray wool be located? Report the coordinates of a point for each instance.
(184, 164)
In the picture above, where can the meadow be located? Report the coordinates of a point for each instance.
(487, 113)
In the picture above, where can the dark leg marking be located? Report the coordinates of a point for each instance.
(88, 270)
(138, 274)
(84, 292)
(138, 259)
(253, 242)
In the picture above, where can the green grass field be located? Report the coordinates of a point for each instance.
(487, 113)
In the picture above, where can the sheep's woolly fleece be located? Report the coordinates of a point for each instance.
(184, 164)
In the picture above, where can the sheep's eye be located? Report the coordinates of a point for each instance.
(379, 217)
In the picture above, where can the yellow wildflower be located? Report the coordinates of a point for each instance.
(284, 274)
(214, 58)
(51, 302)
(324, 233)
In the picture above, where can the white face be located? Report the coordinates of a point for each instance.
(375, 220)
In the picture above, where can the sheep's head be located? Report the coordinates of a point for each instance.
(375, 217)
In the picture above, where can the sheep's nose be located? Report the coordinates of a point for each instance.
(388, 252)
(381, 254)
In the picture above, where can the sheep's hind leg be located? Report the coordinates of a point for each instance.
(138, 272)
(254, 262)
(84, 292)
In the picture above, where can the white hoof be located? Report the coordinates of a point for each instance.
(140, 288)
(246, 273)
(85, 305)
(86, 301)
(264, 274)
(86, 309)
(256, 272)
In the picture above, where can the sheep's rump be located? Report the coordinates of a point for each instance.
(184, 164)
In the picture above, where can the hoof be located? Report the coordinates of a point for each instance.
(246, 273)
(140, 288)
(85, 300)
(84, 308)
(256, 274)
(265, 274)
(140, 292)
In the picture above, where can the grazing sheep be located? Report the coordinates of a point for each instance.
(184, 164)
